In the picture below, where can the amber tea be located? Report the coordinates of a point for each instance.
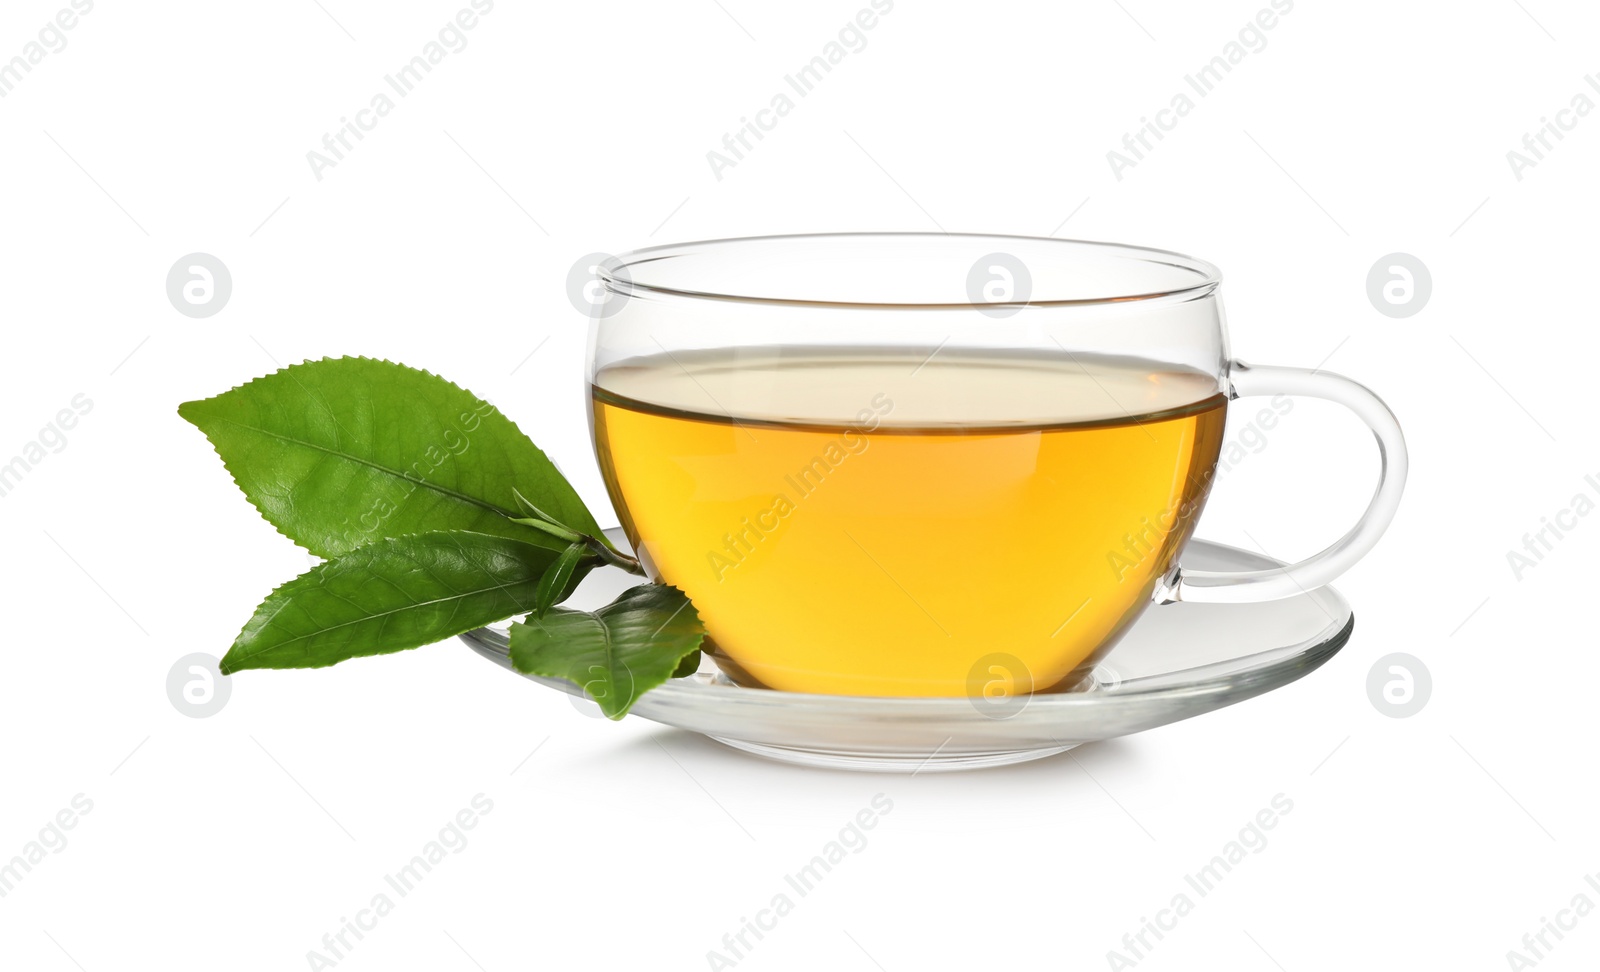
(875, 521)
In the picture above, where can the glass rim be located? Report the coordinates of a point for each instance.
(619, 275)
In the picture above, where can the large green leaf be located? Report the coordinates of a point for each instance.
(397, 593)
(616, 653)
(340, 452)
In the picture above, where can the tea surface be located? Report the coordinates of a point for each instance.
(877, 522)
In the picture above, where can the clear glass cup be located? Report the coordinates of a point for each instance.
(909, 464)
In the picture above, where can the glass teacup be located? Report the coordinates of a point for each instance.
(930, 464)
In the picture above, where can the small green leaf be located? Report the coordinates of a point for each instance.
(688, 666)
(388, 596)
(553, 529)
(540, 520)
(616, 653)
(340, 452)
(528, 509)
(558, 582)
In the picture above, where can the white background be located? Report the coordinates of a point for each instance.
(443, 240)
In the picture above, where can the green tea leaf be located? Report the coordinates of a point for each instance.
(559, 580)
(397, 593)
(616, 653)
(553, 529)
(688, 665)
(529, 509)
(340, 452)
(539, 519)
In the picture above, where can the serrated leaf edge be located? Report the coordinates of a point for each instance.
(327, 554)
(229, 670)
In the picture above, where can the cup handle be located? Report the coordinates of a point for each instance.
(1244, 586)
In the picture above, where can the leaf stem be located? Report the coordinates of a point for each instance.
(599, 546)
(615, 558)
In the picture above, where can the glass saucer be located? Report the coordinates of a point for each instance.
(1178, 661)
